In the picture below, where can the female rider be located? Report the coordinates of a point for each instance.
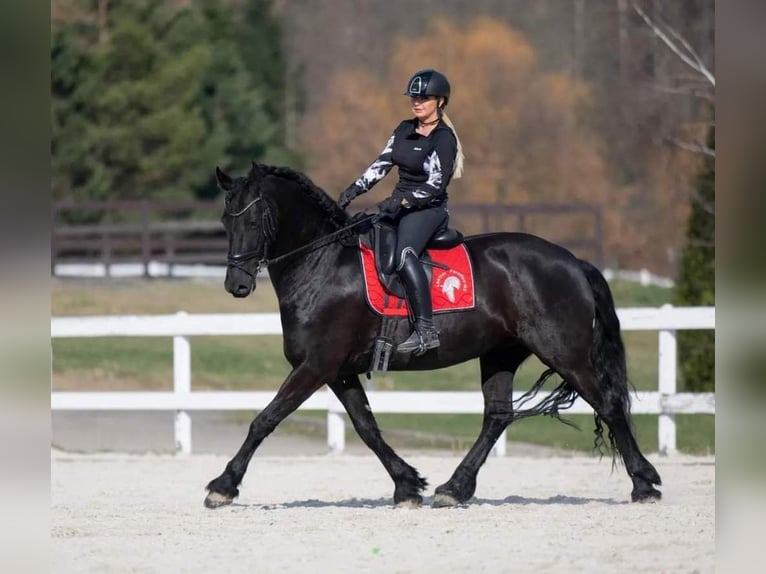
(428, 153)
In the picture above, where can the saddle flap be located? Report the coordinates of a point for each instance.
(384, 241)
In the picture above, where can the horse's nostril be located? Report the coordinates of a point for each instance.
(242, 290)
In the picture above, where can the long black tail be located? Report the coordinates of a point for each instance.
(607, 354)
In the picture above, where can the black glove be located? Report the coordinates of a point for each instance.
(390, 205)
(347, 196)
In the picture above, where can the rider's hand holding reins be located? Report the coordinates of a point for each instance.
(390, 205)
(347, 196)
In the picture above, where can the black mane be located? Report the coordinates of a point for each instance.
(314, 192)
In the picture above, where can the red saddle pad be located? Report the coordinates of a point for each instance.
(451, 289)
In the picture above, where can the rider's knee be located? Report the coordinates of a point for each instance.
(407, 255)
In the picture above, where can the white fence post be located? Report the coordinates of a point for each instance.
(182, 386)
(666, 439)
(501, 445)
(336, 425)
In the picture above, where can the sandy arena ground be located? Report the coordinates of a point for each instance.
(144, 513)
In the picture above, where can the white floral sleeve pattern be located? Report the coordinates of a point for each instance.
(433, 167)
(437, 166)
(378, 169)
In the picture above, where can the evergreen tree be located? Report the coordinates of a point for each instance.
(696, 284)
(243, 95)
(149, 108)
(76, 172)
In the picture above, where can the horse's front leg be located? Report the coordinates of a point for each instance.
(300, 384)
(408, 484)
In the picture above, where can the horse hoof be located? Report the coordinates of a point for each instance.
(444, 501)
(408, 504)
(216, 500)
(645, 496)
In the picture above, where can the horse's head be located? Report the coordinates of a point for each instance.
(248, 228)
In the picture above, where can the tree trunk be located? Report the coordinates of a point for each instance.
(579, 39)
(658, 48)
(622, 40)
(103, 29)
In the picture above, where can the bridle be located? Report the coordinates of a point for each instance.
(244, 209)
(237, 259)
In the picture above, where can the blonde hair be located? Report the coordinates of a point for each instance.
(457, 172)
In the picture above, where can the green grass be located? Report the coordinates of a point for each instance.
(257, 363)
(696, 433)
(633, 295)
(218, 363)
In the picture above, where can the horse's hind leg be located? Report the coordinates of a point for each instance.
(497, 370)
(299, 385)
(611, 406)
(408, 483)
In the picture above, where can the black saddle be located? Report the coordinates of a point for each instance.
(382, 240)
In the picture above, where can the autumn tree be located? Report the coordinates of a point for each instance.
(530, 133)
(521, 127)
(640, 96)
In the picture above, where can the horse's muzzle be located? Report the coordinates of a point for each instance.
(238, 283)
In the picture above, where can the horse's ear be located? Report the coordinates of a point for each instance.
(224, 181)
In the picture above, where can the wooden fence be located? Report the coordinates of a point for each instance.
(175, 233)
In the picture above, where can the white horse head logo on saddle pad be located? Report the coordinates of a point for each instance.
(450, 285)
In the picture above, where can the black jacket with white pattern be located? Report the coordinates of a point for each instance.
(425, 164)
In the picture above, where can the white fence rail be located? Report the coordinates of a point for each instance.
(666, 402)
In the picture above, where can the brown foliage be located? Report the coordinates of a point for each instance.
(519, 126)
(526, 134)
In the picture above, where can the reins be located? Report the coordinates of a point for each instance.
(318, 243)
(236, 260)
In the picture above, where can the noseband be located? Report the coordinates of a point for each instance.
(237, 259)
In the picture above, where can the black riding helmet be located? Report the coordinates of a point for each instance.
(429, 82)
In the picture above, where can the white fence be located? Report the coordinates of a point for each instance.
(642, 277)
(666, 402)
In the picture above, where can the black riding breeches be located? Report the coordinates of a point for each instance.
(416, 228)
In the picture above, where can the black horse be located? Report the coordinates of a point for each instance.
(531, 297)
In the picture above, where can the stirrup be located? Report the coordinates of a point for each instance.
(420, 341)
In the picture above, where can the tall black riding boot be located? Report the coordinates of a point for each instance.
(425, 336)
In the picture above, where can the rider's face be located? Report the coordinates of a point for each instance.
(424, 107)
